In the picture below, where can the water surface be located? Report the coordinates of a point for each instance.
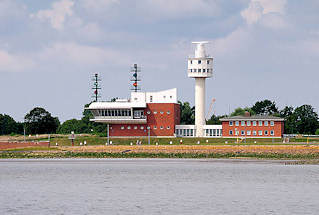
(157, 186)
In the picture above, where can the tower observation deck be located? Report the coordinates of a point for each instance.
(200, 67)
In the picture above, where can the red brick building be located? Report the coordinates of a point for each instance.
(253, 126)
(154, 113)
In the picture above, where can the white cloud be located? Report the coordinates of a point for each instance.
(257, 9)
(14, 63)
(97, 4)
(74, 54)
(57, 14)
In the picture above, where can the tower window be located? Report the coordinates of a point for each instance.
(207, 61)
(199, 62)
(191, 62)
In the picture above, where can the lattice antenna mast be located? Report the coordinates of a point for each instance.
(96, 87)
(135, 78)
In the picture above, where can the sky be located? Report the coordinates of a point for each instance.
(262, 49)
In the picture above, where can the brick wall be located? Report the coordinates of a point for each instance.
(161, 118)
(278, 129)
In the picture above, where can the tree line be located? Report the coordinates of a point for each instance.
(298, 120)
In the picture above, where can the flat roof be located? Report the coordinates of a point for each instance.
(255, 117)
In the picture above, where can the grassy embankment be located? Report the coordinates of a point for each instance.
(214, 148)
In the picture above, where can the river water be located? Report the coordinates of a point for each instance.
(157, 186)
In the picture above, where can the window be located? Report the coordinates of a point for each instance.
(237, 123)
(148, 127)
(199, 62)
(248, 123)
(254, 123)
(207, 61)
(230, 123)
(260, 133)
(204, 70)
(142, 127)
(191, 62)
(266, 123)
(242, 123)
(199, 70)
(272, 133)
(155, 127)
(162, 127)
(191, 70)
(164, 97)
(272, 123)
(168, 112)
(230, 132)
(260, 123)
(162, 112)
(122, 127)
(254, 133)
(195, 70)
(236, 132)
(168, 127)
(170, 96)
(242, 132)
(207, 70)
(128, 127)
(266, 132)
(135, 127)
(151, 98)
(155, 112)
(248, 132)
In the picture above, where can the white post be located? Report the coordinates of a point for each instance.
(108, 134)
(200, 106)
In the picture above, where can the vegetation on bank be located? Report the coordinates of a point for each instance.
(26, 154)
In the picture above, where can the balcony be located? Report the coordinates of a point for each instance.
(120, 119)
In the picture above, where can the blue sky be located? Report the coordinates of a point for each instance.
(50, 49)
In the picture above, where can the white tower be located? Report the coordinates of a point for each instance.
(200, 67)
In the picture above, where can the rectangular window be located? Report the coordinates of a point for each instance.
(199, 70)
(254, 123)
(151, 98)
(272, 133)
(242, 123)
(207, 61)
(195, 70)
(237, 123)
(135, 127)
(236, 132)
(128, 127)
(242, 132)
(272, 123)
(260, 123)
(230, 123)
(266, 123)
(155, 112)
(230, 132)
(260, 133)
(191, 70)
(204, 70)
(191, 62)
(266, 132)
(199, 62)
(122, 127)
(168, 112)
(248, 123)
(248, 132)
(142, 127)
(254, 133)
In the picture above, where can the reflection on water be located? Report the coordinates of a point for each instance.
(157, 186)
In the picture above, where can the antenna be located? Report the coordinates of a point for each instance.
(135, 79)
(96, 87)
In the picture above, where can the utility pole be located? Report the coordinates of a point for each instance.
(135, 78)
(96, 87)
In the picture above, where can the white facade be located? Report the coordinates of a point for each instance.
(213, 131)
(200, 67)
(124, 111)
